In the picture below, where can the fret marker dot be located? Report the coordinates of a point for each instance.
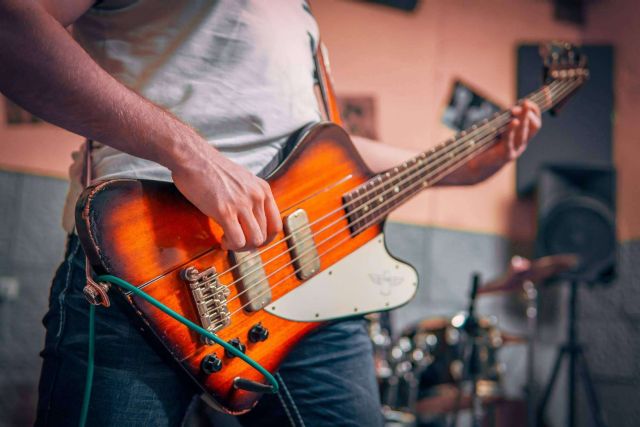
(381, 199)
(396, 189)
(365, 208)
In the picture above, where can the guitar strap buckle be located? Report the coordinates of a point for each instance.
(95, 292)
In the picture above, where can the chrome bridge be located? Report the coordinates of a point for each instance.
(210, 298)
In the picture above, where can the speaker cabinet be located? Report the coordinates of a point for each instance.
(576, 214)
(581, 132)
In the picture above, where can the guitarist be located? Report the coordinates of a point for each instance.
(205, 94)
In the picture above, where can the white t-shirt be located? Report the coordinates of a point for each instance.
(239, 72)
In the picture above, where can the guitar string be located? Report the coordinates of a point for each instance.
(282, 280)
(209, 299)
(471, 135)
(340, 242)
(492, 133)
(408, 172)
(421, 185)
(472, 154)
(468, 136)
(410, 176)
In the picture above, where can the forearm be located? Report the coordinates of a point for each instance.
(44, 70)
(380, 157)
(471, 173)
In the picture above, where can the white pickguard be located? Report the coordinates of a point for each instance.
(364, 281)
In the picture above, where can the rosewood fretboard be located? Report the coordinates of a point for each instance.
(376, 198)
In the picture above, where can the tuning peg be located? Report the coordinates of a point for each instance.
(543, 51)
(582, 61)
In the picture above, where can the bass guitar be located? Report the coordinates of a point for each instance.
(330, 262)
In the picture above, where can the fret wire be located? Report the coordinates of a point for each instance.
(395, 177)
(481, 131)
(563, 90)
(485, 144)
(378, 217)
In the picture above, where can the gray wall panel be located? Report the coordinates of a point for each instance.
(31, 246)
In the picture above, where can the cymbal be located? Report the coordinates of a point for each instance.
(522, 270)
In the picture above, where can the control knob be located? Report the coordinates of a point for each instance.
(258, 333)
(210, 364)
(237, 344)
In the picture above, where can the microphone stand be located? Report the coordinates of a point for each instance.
(532, 331)
(469, 358)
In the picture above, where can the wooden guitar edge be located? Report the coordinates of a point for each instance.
(84, 225)
(87, 234)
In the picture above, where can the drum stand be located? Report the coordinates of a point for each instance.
(469, 361)
(532, 329)
(574, 351)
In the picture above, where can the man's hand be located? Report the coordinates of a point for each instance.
(240, 202)
(525, 124)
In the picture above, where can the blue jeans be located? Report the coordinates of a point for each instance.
(328, 380)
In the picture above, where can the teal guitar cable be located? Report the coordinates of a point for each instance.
(129, 287)
(89, 380)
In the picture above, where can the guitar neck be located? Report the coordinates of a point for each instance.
(383, 193)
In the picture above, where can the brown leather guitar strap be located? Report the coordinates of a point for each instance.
(325, 84)
(94, 292)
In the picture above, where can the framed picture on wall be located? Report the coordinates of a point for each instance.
(359, 115)
(467, 106)
(15, 115)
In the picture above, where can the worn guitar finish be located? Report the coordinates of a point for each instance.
(146, 232)
(329, 263)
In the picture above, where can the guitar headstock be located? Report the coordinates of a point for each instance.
(565, 69)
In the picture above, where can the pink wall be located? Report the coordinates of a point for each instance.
(618, 22)
(41, 148)
(407, 62)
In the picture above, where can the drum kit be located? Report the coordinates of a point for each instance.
(440, 367)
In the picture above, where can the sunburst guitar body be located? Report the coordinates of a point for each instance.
(319, 269)
(329, 263)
